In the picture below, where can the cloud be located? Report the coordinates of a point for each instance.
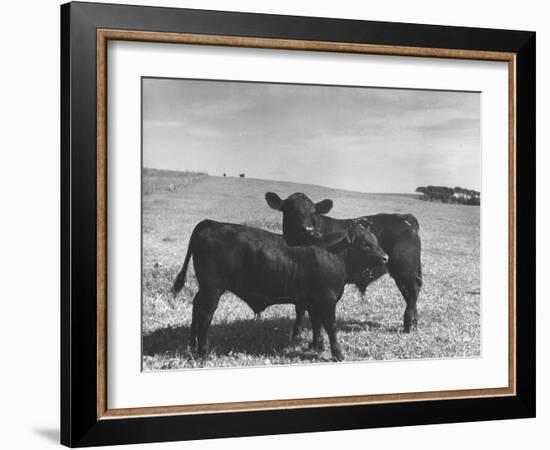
(188, 128)
(371, 135)
(452, 125)
(159, 123)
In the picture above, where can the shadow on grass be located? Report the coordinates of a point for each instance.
(256, 338)
(264, 337)
(366, 325)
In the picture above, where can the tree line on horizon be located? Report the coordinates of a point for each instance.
(449, 195)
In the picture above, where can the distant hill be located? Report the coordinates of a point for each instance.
(449, 195)
(156, 181)
(242, 200)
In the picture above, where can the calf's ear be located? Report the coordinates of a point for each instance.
(351, 232)
(335, 242)
(273, 200)
(323, 206)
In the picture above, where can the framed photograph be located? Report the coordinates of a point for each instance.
(277, 224)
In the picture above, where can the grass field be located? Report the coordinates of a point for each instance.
(368, 329)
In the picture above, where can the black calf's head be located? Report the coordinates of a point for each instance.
(365, 249)
(301, 222)
(362, 246)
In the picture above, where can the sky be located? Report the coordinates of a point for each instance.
(354, 138)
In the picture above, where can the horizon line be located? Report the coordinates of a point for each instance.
(282, 181)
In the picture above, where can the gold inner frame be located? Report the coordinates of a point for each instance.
(104, 35)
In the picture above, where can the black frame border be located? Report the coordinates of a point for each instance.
(79, 423)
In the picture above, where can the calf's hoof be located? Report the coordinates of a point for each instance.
(318, 347)
(337, 354)
(202, 352)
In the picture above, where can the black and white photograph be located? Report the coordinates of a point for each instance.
(288, 222)
(293, 224)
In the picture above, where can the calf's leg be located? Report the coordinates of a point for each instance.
(409, 286)
(328, 318)
(317, 343)
(204, 306)
(406, 270)
(299, 324)
(193, 331)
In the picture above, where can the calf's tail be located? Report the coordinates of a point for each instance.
(179, 282)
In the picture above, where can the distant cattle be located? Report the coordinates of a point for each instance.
(304, 222)
(260, 268)
(241, 175)
(224, 175)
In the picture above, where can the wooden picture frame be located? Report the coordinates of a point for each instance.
(86, 418)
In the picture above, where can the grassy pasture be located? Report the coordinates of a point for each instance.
(368, 329)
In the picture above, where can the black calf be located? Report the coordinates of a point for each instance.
(261, 269)
(304, 223)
